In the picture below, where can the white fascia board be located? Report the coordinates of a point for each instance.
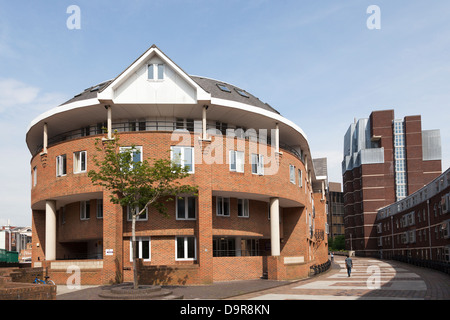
(258, 110)
(108, 93)
(63, 108)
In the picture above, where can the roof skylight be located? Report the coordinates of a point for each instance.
(224, 88)
(242, 93)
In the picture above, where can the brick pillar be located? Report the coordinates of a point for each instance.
(204, 235)
(112, 241)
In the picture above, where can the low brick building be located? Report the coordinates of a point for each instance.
(417, 227)
(256, 211)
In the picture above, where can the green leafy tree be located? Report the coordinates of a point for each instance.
(137, 184)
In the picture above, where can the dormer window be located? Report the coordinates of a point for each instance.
(156, 71)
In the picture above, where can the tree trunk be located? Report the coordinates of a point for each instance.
(133, 249)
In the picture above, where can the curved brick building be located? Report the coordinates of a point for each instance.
(255, 214)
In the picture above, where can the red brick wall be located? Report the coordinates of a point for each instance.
(115, 231)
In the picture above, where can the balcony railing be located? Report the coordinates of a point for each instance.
(160, 125)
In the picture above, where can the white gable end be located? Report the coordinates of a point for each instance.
(138, 88)
(168, 84)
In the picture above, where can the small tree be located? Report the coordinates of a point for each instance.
(137, 184)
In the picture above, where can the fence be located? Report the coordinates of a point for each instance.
(442, 266)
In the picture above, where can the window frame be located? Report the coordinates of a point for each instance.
(220, 203)
(158, 72)
(182, 162)
(85, 210)
(99, 205)
(78, 162)
(237, 158)
(139, 241)
(245, 208)
(292, 174)
(138, 218)
(259, 165)
(186, 208)
(186, 248)
(61, 165)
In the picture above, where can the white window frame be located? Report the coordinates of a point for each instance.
(156, 75)
(185, 248)
(78, 163)
(237, 161)
(245, 206)
(61, 165)
(142, 217)
(258, 160)
(292, 174)
(139, 244)
(182, 160)
(34, 176)
(85, 212)
(134, 153)
(220, 203)
(186, 208)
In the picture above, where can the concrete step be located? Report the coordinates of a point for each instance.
(126, 292)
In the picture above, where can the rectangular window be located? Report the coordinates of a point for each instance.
(236, 161)
(85, 210)
(243, 208)
(184, 157)
(160, 71)
(257, 164)
(151, 75)
(61, 165)
(223, 206)
(136, 153)
(186, 208)
(156, 71)
(99, 208)
(185, 248)
(141, 217)
(142, 249)
(292, 174)
(34, 176)
(300, 178)
(79, 162)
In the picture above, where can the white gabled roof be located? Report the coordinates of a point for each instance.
(107, 92)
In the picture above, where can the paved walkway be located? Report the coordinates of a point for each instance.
(371, 279)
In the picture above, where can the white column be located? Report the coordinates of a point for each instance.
(50, 230)
(277, 138)
(204, 137)
(275, 226)
(45, 138)
(109, 122)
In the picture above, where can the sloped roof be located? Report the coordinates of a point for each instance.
(209, 85)
(212, 86)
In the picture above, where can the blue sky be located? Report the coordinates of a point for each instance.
(314, 61)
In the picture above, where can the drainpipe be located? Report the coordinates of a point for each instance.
(429, 228)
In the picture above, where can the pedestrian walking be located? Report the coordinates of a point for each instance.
(348, 265)
(332, 256)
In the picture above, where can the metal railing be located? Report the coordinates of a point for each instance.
(162, 125)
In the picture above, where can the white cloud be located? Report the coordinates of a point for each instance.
(14, 92)
(19, 104)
